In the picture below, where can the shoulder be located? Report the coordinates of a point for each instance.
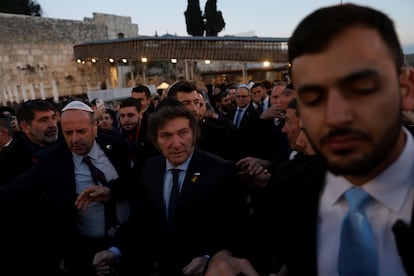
(153, 162)
(55, 149)
(300, 170)
(210, 160)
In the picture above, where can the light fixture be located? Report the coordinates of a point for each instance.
(174, 60)
(111, 60)
(124, 60)
(144, 59)
(93, 60)
(207, 61)
(78, 60)
(266, 63)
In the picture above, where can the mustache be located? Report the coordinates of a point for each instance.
(343, 131)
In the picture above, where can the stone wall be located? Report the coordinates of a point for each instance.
(36, 54)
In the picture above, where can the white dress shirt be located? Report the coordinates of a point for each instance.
(393, 197)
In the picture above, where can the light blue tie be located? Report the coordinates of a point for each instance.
(238, 115)
(358, 250)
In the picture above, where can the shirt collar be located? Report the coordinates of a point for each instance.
(183, 166)
(93, 154)
(390, 187)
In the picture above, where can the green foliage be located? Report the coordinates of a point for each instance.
(26, 7)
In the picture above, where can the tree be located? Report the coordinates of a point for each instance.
(214, 19)
(212, 22)
(193, 18)
(26, 7)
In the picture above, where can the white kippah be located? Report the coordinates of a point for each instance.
(77, 105)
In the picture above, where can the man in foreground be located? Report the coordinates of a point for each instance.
(347, 69)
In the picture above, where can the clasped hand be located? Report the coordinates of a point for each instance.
(95, 193)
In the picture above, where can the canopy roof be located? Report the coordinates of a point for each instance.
(231, 48)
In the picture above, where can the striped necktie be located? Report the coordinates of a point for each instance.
(111, 221)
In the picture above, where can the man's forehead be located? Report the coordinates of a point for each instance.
(43, 113)
(128, 109)
(186, 95)
(278, 89)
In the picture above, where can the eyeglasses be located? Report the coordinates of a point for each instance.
(242, 96)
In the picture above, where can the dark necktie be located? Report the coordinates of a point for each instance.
(358, 250)
(97, 174)
(111, 221)
(175, 193)
(238, 117)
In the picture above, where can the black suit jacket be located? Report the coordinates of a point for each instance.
(209, 210)
(51, 180)
(249, 135)
(293, 202)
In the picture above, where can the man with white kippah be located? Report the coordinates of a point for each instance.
(77, 105)
(84, 184)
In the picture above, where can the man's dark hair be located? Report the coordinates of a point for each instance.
(128, 102)
(169, 109)
(221, 95)
(5, 123)
(180, 86)
(141, 89)
(293, 104)
(259, 84)
(7, 109)
(26, 111)
(316, 31)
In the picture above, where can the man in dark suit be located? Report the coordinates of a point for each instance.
(350, 102)
(248, 131)
(215, 138)
(73, 217)
(39, 130)
(208, 207)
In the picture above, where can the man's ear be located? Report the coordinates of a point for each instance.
(407, 88)
(24, 126)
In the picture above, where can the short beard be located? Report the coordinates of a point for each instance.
(368, 161)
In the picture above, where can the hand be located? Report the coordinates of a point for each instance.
(251, 165)
(224, 264)
(196, 266)
(254, 170)
(103, 261)
(100, 110)
(274, 111)
(95, 193)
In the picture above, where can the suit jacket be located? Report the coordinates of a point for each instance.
(216, 138)
(51, 180)
(208, 211)
(295, 188)
(248, 136)
(14, 159)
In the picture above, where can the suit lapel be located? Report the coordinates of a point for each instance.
(191, 184)
(156, 186)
